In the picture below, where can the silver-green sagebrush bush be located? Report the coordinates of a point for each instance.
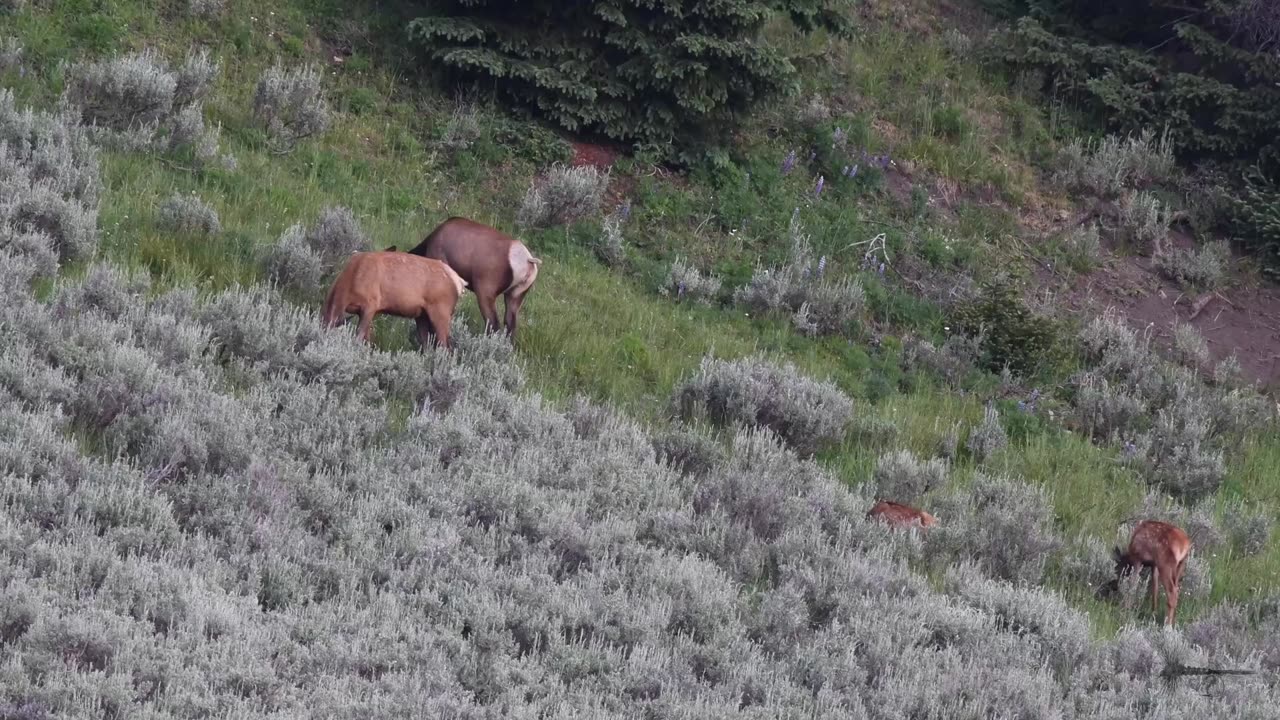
(818, 303)
(188, 214)
(562, 195)
(49, 186)
(807, 414)
(290, 104)
(684, 281)
(235, 521)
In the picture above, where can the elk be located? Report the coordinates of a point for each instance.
(491, 262)
(899, 515)
(396, 284)
(1163, 549)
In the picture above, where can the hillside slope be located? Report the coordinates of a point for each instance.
(214, 507)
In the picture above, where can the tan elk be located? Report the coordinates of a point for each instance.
(1163, 549)
(398, 284)
(899, 515)
(491, 262)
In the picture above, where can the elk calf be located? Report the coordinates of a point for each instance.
(491, 262)
(899, 515)
(396, 284)
(1163, 548)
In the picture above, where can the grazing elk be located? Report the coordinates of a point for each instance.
(396, 284)
(899, 515)
(1163, 549)
(491, 262)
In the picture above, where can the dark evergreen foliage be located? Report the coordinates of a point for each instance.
(670, 75)
(1207, 69)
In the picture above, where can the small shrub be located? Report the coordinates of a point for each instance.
(988, 437)
(805, 413)
(1106, 411)
(1190, 346)
(1012, 336)
(1115, 163)
(291, 104)
(188, 214)
(685, 281)
(206, 8)
(336, 235)
(463, 127)
(194, 78)
(50, 194)
(818, 304)
(129, 92)
(10, 54)
(610, 248)
(1203, 268)
(290, 262)
(1006, 526)
(691, 452)
(562, 195)
(1250, 529)
(1083, 248)
(1144, 222)
(902, 477)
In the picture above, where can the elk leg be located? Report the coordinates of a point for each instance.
(426, 331)
(1155, 603)
(441, 319)
(366, 321)
(512, 304)
(488, 308)
(1171, 597)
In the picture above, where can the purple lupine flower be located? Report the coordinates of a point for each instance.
(853, 172)
(624, 210)
(845, 171)
(804, 274)
(680, 289)
(817, 191)
(822, 265)
(1130, 449)
(881, 270)
(789, 162)
(1022, 405)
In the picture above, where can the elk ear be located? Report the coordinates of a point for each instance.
(1117, 554)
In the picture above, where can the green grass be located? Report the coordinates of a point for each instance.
(607, 335)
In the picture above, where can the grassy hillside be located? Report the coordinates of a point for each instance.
(191, 482)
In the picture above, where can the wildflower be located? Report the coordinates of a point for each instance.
(881, 270)
(845, 171)
(822, 265)
(680, 289)
(624, 210)
(1130, 449)
(789, 162)
(853, 172)
(837, 138)
(817, 192)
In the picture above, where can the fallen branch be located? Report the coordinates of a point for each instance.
(1177, 669)
(1199, 305)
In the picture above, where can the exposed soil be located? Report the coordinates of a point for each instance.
(1244, 320)
(600, 156)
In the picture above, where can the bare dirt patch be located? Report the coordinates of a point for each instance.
(1243, 320)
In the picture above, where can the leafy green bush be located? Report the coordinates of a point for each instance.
(632, 70)
(1011, 335)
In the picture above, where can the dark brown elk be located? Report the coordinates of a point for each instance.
(899, 515)
(398, 284)
(1162, 549)
(491, 262)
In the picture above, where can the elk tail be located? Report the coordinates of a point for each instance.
(524, 269)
